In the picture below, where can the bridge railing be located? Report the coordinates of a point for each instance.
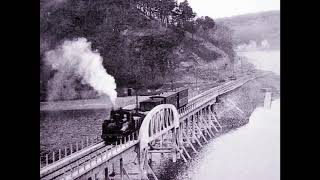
(76, 166)
(201, 98)
(67, 151)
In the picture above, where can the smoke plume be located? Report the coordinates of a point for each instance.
(76, 58)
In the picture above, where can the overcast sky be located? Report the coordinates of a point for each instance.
(225, 8)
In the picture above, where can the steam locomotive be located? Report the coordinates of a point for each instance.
(125, 121)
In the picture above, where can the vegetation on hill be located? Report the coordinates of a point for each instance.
(142, 42)
(255, 27)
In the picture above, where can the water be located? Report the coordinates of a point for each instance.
(264, 60)
(252, 152)
(249, 153)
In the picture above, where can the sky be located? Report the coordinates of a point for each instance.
(226, 8)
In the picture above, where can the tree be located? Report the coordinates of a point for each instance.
(221, 36)
(152, 57)
(206, 22)
(185, 13)
(190, 26)
(165, 8)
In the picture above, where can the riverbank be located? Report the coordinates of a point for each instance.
(235, 108)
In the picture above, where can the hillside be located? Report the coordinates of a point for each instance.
(141, 45)
(255, 27)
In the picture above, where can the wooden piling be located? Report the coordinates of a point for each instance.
(267, 100)
(121, 168)
(189, 142)
(106, 174)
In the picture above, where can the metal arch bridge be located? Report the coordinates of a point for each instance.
(164, 130)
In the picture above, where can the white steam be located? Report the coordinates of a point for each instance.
(76, 57)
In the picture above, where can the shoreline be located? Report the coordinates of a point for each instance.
(258, 50)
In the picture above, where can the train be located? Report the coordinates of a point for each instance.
(125, 121)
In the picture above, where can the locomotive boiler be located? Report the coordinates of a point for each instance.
(125, 121)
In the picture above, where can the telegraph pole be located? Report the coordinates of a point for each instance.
(241, 71)
(136, 92)
(196, 78)
(137, 102)
(233, 69)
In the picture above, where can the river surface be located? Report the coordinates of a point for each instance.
(268, 60)
(253, 151)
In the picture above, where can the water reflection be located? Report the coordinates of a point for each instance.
(249, 153)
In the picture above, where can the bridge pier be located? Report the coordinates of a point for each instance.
(267, 98)
(106, 173)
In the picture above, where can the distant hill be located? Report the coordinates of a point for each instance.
(255, 27)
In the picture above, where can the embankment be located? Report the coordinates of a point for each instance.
(234, 108)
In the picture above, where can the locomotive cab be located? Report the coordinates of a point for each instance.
(121, 123)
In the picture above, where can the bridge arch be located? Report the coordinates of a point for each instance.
(161, 120)
(158, 121)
